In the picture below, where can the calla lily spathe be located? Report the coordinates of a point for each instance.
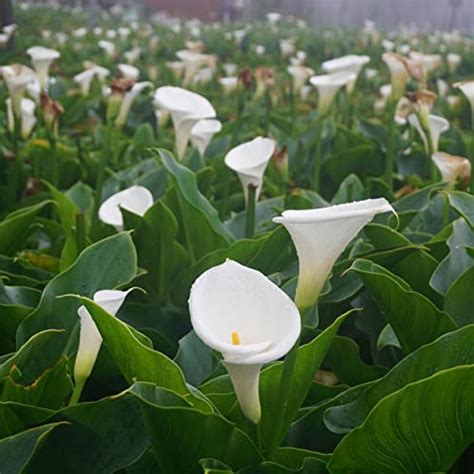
(452, 167)
(467, 88)
(128, 99)
(229, 84)
(320, 236)
(437, 126)
(203, 132)
(328, 85)
(42, 58)
(17, 77)
(27, 117)
(90, 339)
(186, 109)
(300, 75)
(239, 312)
(453, 60)
(398, 73)
(136, 199)
(249, 160)
(349, 63)
(84, 79)
(129, 72)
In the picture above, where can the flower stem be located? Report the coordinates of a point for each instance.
(76, 394)
(317, 155)
(250, 213)
(80, 233)
(14, 166)
(390, 156)
(472, 152)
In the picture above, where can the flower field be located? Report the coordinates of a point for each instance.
(234, 248)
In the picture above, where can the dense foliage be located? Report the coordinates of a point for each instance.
(383, 377)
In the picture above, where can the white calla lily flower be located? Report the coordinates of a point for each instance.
(186, 109)
(328, 85)
(129, 72)
(300, 75)
(350, 63)
(16, 78)
(398, 73)
(453, 60)
(467, 88)
(230, 69)
(42, 58)
(452, 167)
(203, 132)
(320, 236)
(437, 125)
(90, 339)
(192, 63)
(128, 99)
(428, 62)
(84, 80)
(239, 312)
(108, 47)
(28, 117)
(136, 199)
(249, 160)
(229, 84)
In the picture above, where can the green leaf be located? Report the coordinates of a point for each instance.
(17, 450)
(191, 435)
(107, 264)
(451, 350)
(421, 428)
(18, 417)
(16, 227)
(202, 230)
(414, 318)
(459, 300)
(309, 359)
(464, 205)
(135, 360)
(351, 189)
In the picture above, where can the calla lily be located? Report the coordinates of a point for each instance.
(249, 160)
(428, 62)
(320, 236)
(17, 77)
(192, 63)
(443, 87)
(273, 17)
(452, 167)
(108, 47)
(136, 199)
(129, 72)
(177, 68)
(287, 47)
(203, 76)
(328, 85)
(84, 79)
(133, 55)
(299, 59)
(351, 63)
(398, 72)
(42, 59)
(437, 126)
(239, 312)
(203, 132)
(229, 84)
(467, 88)
(422, 102)
(453, 60)
(264, 79)
(28, 117)
(300, 75)
(230, 69)
(186, 109)
(90, 339)
(128, 99)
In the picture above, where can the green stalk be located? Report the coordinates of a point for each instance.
(14, 166)
(250, 212)
(472, 151)
(53, 160)
(76, 394)
(390, 156)
(446, 209)
(317, 154)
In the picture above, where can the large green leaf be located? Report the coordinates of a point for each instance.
(450, 350)
(18, 417)
(464, 205)
(135, 360)
(16, 227)
(17, 450)
(459, 300)
(414, 318)
(107, 264)
(421, 428)
(190, 435)
(309, 358)
(202, 230)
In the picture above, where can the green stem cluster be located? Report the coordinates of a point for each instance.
(250, 211)
(317, 154)
(390, 156)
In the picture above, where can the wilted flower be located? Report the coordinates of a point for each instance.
(136, 199)
(51, 109)
(42, 59)
(249, 160)
(452, 167)
(203, 132)
(320, 236)
(186, 109)
(422, 102)
(118, 89)
(239, 312)
(264, 79)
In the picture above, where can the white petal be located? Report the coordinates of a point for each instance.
(203, 132)
(320, 235)
(137, 199)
